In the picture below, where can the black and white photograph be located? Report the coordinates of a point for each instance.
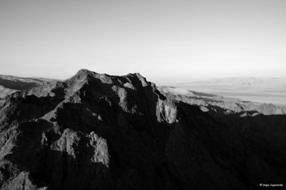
(142, 94)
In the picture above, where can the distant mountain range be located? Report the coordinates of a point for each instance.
(267, 90)
(10, 84)
(247, 83)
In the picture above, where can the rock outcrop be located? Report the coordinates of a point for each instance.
(97, 131)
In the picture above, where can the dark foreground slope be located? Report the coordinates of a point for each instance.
(261, 126)
(96, 131)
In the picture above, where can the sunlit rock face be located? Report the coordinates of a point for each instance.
(97, 131)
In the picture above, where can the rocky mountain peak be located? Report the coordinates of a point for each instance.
(133, 80)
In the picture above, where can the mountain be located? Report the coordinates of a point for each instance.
(270, 90)
(10, 84)
(98, 131)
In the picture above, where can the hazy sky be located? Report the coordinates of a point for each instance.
(163, 40)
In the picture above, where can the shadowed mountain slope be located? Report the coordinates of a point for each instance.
(97, 131)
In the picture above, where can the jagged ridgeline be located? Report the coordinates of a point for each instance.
(97, 131)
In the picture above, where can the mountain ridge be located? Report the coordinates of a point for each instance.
(99, 131)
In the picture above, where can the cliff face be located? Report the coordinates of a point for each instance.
(96, 131)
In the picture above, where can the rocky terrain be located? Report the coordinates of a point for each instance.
(97, 131)
(11, 84)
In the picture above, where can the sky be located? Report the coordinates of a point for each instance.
(163, 40)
